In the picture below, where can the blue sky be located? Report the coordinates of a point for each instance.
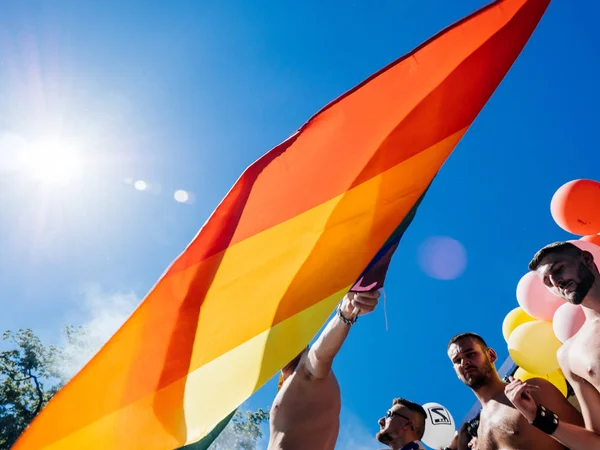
(184, 95)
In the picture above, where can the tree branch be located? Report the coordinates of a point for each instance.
(23, 379)
(40, 394)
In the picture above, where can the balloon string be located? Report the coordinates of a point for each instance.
(384, 309)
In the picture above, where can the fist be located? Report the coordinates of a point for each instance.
(519, 394)
(359, 303)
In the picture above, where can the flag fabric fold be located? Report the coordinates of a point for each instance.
(294, 234)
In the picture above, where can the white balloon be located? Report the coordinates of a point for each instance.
(439, 426)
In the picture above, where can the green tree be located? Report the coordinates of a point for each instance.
(28, 379)
(243, 432)
(31, 373)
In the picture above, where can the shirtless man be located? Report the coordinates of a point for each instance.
(573, 275)
(501, 425)
(306, 411)
(403, 426)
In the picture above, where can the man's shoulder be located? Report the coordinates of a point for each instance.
(304, 375)
(564, 353)
(543, 385)
(565, 348)
(545, 390)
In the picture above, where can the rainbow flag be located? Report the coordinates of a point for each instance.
(292, 236)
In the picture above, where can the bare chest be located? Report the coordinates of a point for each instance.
(499, 425)
(305, 415)
(502, 427)
(302, 401)
(584, 353)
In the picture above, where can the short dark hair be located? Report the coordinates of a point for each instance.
(472, 426)
(419, 427)
(555, 247)
(468, 335)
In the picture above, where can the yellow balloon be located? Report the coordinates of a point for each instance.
(556, 378)
(512, 320)
(533, 347)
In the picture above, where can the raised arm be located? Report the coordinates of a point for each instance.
(320, 356)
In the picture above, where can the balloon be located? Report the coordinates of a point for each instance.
(592, 248)
(536, 299)
(533, 347)
(512, 320)
(568, 319)
(593, 239)
(574, 207)
(556, 378)
(439, 426)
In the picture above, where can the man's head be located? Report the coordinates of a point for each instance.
(472, 359)
(403, 423)
(566, 269)
(467, 435)
(474, 443)
(472, 427)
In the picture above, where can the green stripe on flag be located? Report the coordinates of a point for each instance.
(206, 441)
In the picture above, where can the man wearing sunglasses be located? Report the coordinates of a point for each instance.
(306, 411)
(403, 426)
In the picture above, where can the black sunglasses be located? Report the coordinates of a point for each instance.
(391, 414)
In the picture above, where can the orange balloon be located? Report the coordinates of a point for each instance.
(594, 239)
(575, 208)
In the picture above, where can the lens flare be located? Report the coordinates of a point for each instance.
(442, 258)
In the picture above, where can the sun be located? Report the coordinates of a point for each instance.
(53, 162)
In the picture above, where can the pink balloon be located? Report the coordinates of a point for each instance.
(536, 299)
(592, 248)
(594, 239)
(568, 319)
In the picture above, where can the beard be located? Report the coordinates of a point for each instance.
(384, 437)
(479, 378)
(582, 289)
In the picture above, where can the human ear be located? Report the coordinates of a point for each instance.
(588, 258)
(492, 355)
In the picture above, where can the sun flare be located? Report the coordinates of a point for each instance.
(53, 162)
